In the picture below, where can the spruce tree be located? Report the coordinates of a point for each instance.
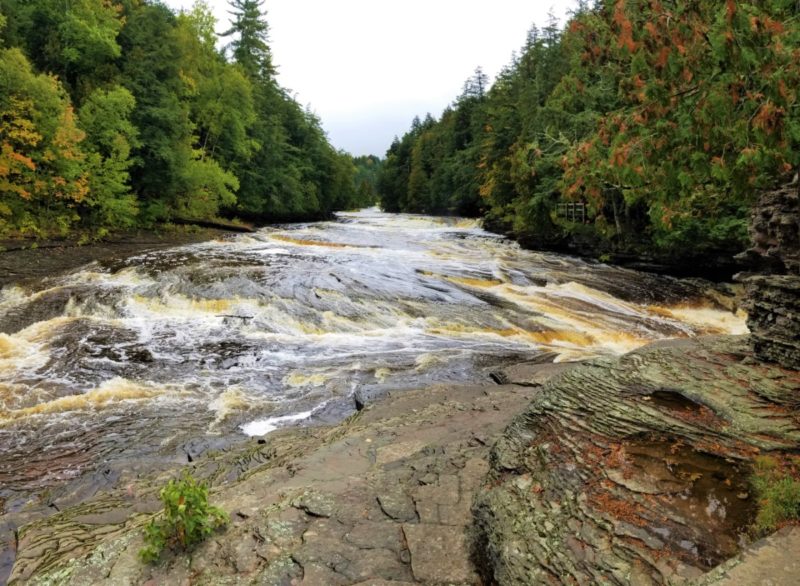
(250, 30)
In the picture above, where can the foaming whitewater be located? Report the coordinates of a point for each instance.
(134, 363)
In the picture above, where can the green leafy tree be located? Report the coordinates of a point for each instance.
(110, 138)
(2, 25)
(43, 171)
(663, 119)
(172, 175)
(368, 169)
(220, 95)
(168, 127)
(152, 75)
(707, 93)
(74, 39)
(294, 173)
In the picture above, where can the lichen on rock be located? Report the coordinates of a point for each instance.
(635, 470)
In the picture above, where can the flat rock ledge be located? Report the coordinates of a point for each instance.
(636, 470)
(618, 471)
(383, 498)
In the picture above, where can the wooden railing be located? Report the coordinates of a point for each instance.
(572, 211)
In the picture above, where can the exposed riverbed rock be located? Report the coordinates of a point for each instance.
(24, 261)
(621, 471)
(771, 561)
(635, 470)
(774, 297)
(383, 498)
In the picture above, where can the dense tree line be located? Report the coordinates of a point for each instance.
(120, 113)
(659, 120)
(368, 169)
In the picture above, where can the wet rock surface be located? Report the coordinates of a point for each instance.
(775, 232)
(619, 471)
(383, 498)
(635, 470)
(768, 562)
(774, 318)
(23, 261)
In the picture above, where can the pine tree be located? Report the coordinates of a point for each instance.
(250, 30)
(477, 85)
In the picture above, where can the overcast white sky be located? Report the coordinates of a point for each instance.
(367, 67)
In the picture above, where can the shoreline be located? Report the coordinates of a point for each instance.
(22, 260)
(717, 267)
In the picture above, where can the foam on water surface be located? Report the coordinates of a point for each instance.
(137, 356)
(265, 426)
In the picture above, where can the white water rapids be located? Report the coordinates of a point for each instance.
(145, 360)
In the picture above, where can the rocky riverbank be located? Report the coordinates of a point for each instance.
(630, 470)
(714, 265)
(23, 260)
(637, 470)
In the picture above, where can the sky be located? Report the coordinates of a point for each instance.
(367, 67)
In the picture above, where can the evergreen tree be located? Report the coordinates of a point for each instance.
(250, 46)
(477, 85)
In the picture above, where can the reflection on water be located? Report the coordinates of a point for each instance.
(141, 357)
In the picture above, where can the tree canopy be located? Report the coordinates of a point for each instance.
(122, 113)
(660, 120)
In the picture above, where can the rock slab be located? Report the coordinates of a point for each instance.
(634, 470)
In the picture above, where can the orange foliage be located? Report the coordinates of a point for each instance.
(618, 509)
(769, 117)
(730, 9)
(663, 57)
(772, 26)
(783, 90)
(625, 38)
(620, 156)
(22, 159)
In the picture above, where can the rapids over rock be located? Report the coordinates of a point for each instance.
(145, 362)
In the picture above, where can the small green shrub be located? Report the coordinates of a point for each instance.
(187, 518)
(778, 491)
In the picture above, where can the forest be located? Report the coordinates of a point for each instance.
(642, 126)
(119, 114)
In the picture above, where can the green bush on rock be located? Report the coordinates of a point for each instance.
(778, 491)
(187, 518)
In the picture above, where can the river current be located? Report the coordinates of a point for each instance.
(150, 360)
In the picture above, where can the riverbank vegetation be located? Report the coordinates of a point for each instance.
(777, 487)
(120, 113)
(187, 518)
(643, 125)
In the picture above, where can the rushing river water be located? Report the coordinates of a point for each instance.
(149, 360)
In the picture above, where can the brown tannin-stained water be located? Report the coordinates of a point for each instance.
(149, 361)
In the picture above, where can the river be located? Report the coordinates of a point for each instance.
(146, 362)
